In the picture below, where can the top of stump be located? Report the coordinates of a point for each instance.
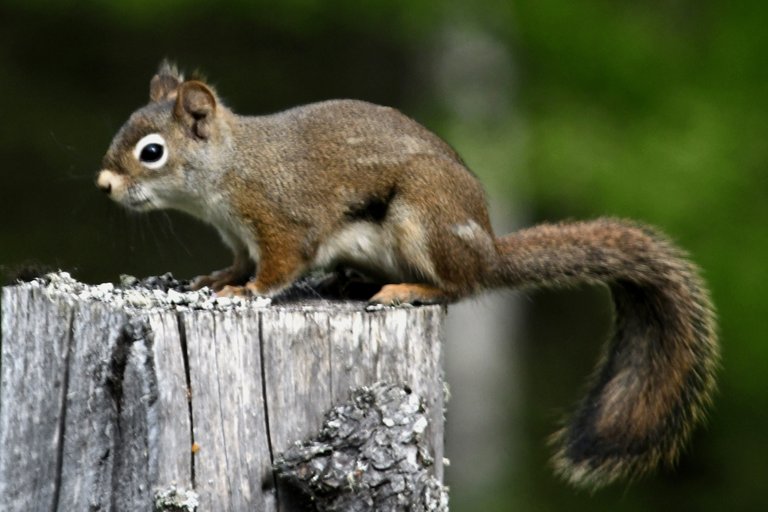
(168, 293)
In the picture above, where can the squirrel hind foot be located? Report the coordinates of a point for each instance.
(407, 293)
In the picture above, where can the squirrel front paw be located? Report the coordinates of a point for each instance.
(250, 289)
(203, 281)
(217, 281)
(232, 291)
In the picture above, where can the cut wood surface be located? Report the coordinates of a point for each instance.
(136, 399)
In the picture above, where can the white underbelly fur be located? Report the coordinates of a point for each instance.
(364, 245)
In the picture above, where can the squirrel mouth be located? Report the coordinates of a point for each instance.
(138, 203)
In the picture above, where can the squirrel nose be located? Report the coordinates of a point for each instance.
(104, 183)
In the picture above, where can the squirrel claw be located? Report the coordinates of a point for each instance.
(201, 282)
(221, 279)
(250, 289)
(233, 291)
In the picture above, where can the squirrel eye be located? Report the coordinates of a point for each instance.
(151, 151)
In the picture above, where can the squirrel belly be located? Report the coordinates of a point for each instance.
(351, 184)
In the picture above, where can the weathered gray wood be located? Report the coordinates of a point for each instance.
(96, 337)
(110, 398)
(392, 345)
(233, 459)
(173, 462)
(297, 370)
(33, 374)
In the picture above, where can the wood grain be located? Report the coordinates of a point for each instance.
(107, 404)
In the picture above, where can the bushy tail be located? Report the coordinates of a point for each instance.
(657, 374)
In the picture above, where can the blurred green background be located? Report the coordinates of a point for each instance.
(654, 110)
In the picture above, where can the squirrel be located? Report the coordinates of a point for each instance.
(349, 184)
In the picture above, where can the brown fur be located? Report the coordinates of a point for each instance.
(346, 183)
(656, 378)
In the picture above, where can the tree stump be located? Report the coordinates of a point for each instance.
(138, 399)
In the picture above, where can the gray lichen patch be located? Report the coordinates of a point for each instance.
(174, 499)
(369, 455)
(161, 292)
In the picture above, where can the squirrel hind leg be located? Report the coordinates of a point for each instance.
(410, 293)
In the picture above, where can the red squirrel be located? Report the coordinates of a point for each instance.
(350, 184)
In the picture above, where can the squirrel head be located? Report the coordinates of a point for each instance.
(178, 133)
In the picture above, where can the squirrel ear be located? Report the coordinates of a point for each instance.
(164, 84)
(195, 107)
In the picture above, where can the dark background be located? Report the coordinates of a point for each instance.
(653, 110)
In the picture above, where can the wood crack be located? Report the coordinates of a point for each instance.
(63, 418)
(188, 383)
(273, 478)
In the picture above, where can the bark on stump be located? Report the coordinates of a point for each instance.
(136, 399)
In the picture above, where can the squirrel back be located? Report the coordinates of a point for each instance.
(348, 184)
